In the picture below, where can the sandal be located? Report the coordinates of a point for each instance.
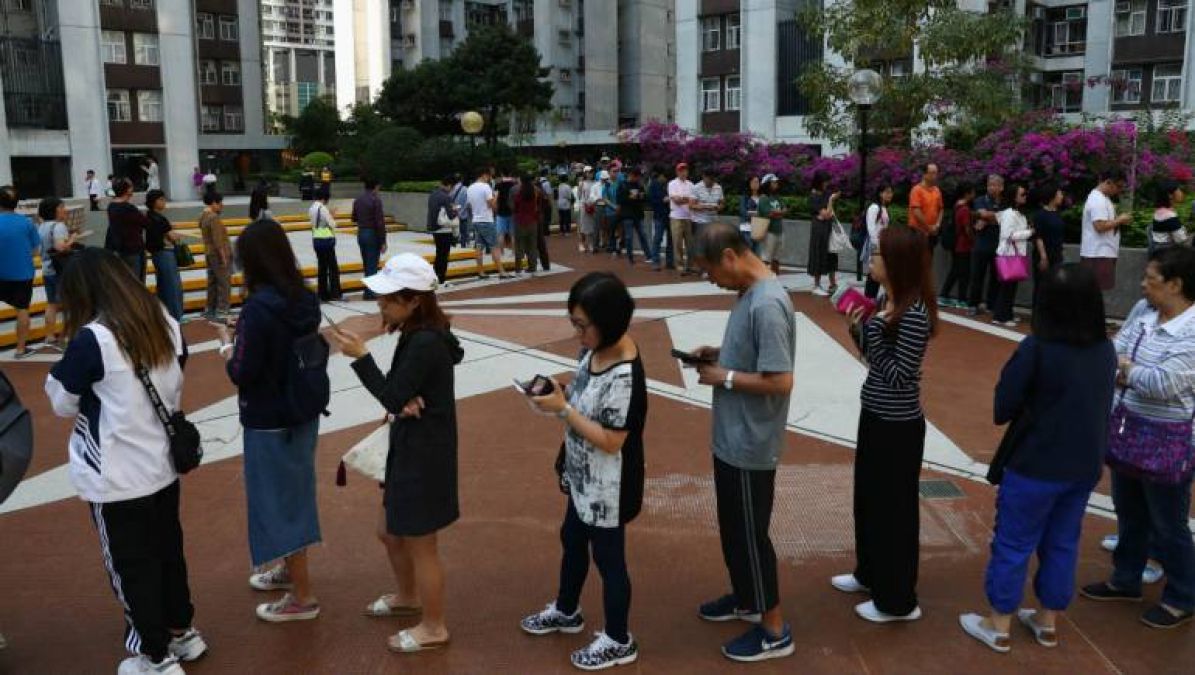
(973, 625)
(1046, 637)
(381, 608)
(405, 643)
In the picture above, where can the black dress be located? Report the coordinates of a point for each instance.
(421, 469)
(821, 260)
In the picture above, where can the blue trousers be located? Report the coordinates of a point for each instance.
(1042, 516)
(371, 251)
(1151, 515)
(660, 231)
(170, 284)
(630, 228)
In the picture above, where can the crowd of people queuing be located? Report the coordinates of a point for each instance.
(1073, 398)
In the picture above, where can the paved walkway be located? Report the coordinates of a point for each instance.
(502, 556)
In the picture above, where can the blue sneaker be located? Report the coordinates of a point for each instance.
(758, 645)
(726, 608)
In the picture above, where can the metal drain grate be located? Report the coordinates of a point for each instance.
(939, 489)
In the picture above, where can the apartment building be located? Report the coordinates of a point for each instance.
(178, 80)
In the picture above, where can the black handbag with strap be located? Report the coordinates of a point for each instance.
(186, 449)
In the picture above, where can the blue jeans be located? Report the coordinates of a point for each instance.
(466, 232)
(280, 490)
(170, 284)
(1042, 516)
(1150, 513)
(660, 231)
(630, 228)
(610, 227)
(371, 251)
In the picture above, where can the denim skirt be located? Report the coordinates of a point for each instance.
(280, 491)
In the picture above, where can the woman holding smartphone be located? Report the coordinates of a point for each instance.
(600, 468)
(420, 497)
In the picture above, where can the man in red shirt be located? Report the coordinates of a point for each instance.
(925, 203)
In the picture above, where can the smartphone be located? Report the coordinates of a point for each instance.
(539, 386)
(688, 358)
(330, 321)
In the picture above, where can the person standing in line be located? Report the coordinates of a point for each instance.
(420, 492)
(1048, 230)
(370, 221)
(960, 256)
(1099, 243)
(588, 218)
(259, 202)
(547, 196)
(600, 468)
(1057, 387)
(218, 255)
(926, 206)
(94, 189)
(120, 459)
(482, 203)
(708, 200)
(564, 205)
(598, 198)
(680, 217)
(19, 242)
(769, 206)
(280, 441)
(752, 379)
(503, 210)
(661, 236)
(126, 228)
(160, 240)
(209, 181)
(1014, 240)
(1156, 381)
(986, 224)
(749, 208)
(460, 197)
(1166, 229)
(325, 179)
(56, 238)
(197, 182)
(877, 221)
(441, 200)
(323, 236)
(610, 185)
(632, 196)
(152, 180)
(891, 438)
(821, 260)
(526, 199)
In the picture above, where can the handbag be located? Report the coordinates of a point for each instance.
(1014, 435)
(448, 222)
(186, 448)
(1155, 450)
(759, 227)
(368, 456)
(183, 255)
(840, 241)
(1012, 268)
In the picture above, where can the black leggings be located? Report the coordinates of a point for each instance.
(960, 274)
(327, 272)
(609, 553)
(443, 247)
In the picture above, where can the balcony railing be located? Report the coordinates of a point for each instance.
(38, 111)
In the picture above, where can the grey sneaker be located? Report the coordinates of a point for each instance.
(552, 620)
(274, 579)
(604, 652)
(189, 646)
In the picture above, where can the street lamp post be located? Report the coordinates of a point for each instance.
(864, 90)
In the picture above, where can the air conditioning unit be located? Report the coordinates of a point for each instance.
(1123, 7)
(408, 41)
(1075, 13)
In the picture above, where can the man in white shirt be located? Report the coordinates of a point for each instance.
(680, 194)
(94, 189)
(1100, 243)
(152, 181)
(707, 201)
(482, 203)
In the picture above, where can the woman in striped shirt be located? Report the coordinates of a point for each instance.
(891, 437)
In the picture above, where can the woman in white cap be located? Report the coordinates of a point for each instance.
(588, 211)
(420, 497)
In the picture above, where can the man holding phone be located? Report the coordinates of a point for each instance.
(752, 377)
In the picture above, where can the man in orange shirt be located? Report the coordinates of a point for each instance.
(925, 204)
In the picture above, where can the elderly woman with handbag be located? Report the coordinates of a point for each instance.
(1150, 441)
(1012, 256)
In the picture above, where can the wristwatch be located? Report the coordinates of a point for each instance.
(563, 414)
(728, 383)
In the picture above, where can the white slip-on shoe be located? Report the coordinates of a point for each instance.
(973, 625)
(847, 583)
(867, 610)
(1046, 637)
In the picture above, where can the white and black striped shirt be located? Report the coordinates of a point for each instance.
(1162, 379)
(892, 389)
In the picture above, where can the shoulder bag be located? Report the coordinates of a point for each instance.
(840, 241)
(1012, 267)
(368, 456)
(186, 449)
(1154, 450)
(183, 255)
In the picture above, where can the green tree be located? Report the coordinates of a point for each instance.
(317, 127)
(427, 98)
(390, 153)
(973, 66)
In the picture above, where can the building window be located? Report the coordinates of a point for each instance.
(230, 73)
(210, 117)
(445, 46)
(446, 10)
(1066, 96)
(1068, 37)
(141, 4)
(1167, 83)
(205, 26)
(1130, 17)
(234, 118)
(229, 30)
(112, 3)
(734, 92)
(734, 31)
(1172, 16)
(711, 94)
(711, 33)
(1126, 85)
(149, 106)
(119, 109)
(208, 73)
(145, 49)
(112, 47)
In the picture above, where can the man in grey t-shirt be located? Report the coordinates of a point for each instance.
(752, 376)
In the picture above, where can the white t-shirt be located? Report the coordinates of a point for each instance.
(94, 187)
(679, 188)
(52, 233)
(1098, 244)
(479, 195)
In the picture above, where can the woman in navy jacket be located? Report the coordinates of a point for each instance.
(1057, 391)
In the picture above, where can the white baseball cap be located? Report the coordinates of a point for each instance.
(405, 271)
(769, 178)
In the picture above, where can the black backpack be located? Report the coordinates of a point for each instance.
(16, 438)
(307, 389)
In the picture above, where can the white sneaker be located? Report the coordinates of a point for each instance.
(1152, 573)
(1110, 542)
(867, 610)
(973, 625)
(819, 292)
(141, 665)
(847, 583)
(274, 579)
(189, 646)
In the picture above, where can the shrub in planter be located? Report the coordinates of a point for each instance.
(315, 161)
